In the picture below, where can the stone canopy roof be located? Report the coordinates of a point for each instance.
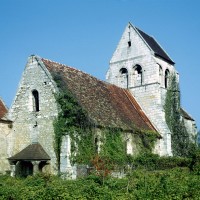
(106, 104)
(158, 50)
(30, 153)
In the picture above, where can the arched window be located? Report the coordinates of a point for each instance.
(123, 77)
(166, 78)
(138, 75)
(36, 105)
(161, 75)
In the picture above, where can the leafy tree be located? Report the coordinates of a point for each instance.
(180, 136)
(198, 138)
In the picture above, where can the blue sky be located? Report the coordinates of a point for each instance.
(85, 33)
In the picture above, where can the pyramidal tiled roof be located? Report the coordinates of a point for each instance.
(158, 50)
(106, 104)
(31, 152)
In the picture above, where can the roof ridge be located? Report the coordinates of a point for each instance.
(155, 46)
(64, 65)
(186, 114)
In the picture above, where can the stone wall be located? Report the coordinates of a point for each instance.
(150, 92)
(191, 129)
(30, 126)
(5, 127)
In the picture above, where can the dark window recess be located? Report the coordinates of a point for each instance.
(96, 144)
(166, 78)
(129, 43)
(35, 100)
(124, 73)
(138, 71)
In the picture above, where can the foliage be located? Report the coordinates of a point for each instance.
(180, 136)
(198, 139)
(147, 139)
(150, 161)
(113, 147)
(177, 183)
(73, 120)
(195, 160)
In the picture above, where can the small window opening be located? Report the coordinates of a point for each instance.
(166, 78)
(161, 75)
(124, 77)
(35, 100)
(129, 43)
(124, 71)
(138, 75)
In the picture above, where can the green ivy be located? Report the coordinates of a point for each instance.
(113, 147)
(147, 139)
(180, 136)
(73, 120)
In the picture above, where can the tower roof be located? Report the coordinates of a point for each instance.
(158, 50)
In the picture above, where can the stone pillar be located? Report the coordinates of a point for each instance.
(13, 170)
(35, 167)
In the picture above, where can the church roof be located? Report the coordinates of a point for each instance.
(106, 104)
(186, 115)
(3, 109)
(158, 50)
(31, 152)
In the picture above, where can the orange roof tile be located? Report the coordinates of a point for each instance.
(107, 105)
(3, 109)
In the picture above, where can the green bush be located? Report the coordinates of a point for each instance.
(176, 183)
(151, 161)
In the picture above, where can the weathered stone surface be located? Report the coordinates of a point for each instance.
(149, 86)
(134, 66)
(30, 126)
(5, 127)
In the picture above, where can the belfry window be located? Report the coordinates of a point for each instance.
(123, 78)
(36, 105)
(138, 75)
(166, 78)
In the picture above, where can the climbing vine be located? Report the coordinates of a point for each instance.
(180, 136)
(147, 140)
(73, 120)
(113, 148)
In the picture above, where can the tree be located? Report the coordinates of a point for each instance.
(198, 138)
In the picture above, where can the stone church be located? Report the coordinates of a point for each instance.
(132, 97)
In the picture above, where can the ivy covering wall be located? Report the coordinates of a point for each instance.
(179, 134)
(74, 121)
